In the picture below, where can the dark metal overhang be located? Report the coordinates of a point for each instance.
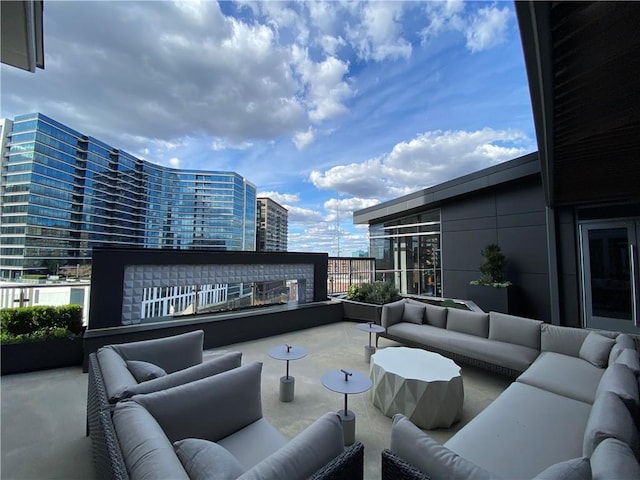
(583, 66)
(435, 196)
(22, 36)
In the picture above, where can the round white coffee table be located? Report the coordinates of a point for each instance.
(424, 386)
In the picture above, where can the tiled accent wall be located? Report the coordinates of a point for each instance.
(138, 277)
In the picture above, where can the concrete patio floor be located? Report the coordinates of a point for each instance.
(43, 413)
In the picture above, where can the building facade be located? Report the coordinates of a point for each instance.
(272, 226)
(63, 193)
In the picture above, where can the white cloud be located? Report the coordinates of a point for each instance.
(174, 162)
(428, 159)
(219, 144)
(487, 28)
(378, 34)
(304, 139)
(285, 199)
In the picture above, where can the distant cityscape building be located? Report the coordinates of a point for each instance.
(63, 193)
(272, 228)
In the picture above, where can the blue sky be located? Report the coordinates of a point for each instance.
(327, 107)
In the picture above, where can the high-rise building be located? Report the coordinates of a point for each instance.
(272, 228)
(63, 193)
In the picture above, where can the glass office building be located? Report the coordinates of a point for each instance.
(63, 193)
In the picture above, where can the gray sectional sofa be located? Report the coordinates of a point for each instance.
(503, 343)
(206, 424)
(573, 413)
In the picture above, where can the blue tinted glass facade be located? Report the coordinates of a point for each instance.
(64, 193)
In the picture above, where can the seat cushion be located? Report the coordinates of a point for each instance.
(596, 349)
(305, 454)
(523, 419)
(427, 455)
(550, 371)
(204, 460)
(254, 442)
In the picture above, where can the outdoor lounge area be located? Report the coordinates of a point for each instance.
(43, 413)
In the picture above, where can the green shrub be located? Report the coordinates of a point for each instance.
(377, 292)
(39, 322)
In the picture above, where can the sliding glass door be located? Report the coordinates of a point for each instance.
(609, 261)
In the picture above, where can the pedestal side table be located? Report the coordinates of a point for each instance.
(371, 328)
(346, 382)
(287, 383)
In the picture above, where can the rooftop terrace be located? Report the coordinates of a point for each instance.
(43, 413)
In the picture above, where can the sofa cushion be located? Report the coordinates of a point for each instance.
(573, 469)
(596, 348)
(255, 442)
(551, 370)
(230, 399)
(625, 341)
(609, 418)
(305, 454)
(615, 352)
(513, 329)
(465, 321)
(413, 313)
(143, 371)
(115, 373)
(629, 358)
(392, 313)
(204, 460)
(147, 451)
(565, 340)
(619, 379)
(171, 353)
(214, 366)
(515, 357)
(436, 316)
(523, 419)
(613, 459)
(430, 457)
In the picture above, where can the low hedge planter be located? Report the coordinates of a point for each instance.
(41, 355)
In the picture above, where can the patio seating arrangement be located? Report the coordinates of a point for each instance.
(155, 409)
(214, 428)
(498, 342)
(572, 414)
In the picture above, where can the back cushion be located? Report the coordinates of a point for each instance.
(609, 418)
(413, 313)
(614, 459)
(465, 321)
(231, 401)
(437, 316)
(565, 340)
(117, 377)
(620, 379)
(625, 341)
(392, 313)
(596, 349)
(147, 451)
(171, 353)
(515, 330)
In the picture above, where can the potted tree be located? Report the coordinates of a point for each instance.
(364, 301)
(40, 337)
(490, 292)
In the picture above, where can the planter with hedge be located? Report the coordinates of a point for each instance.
(364, 301)
(40, 338)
